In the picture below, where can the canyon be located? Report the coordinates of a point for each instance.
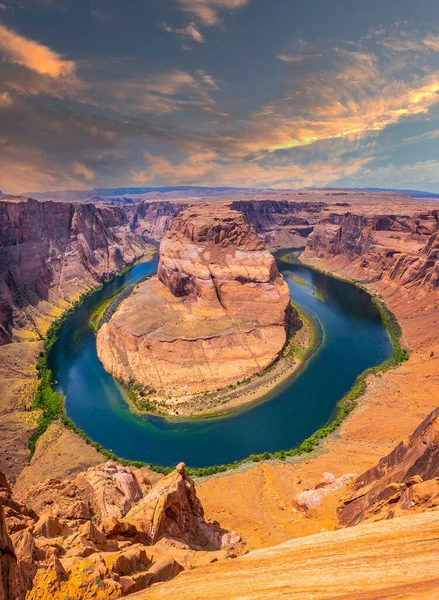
(217, 313)
(380, 526)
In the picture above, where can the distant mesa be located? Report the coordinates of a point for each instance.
(216, 313)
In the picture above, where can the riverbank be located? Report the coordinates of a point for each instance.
(284, 418)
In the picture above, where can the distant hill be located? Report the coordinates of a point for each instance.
(169, 191)
(413, 193)
(130, 195)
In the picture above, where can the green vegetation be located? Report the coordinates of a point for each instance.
(97, 315)
(46, 399)
(294, 348)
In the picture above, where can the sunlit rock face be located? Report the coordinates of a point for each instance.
(216, 313)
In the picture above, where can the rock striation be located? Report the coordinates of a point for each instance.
(216, 313)
(406, 480)
(52, 251)
(402, 246)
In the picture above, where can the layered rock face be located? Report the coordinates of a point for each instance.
(216, 314)
(402, 245)
(281, 223)
(405, 480)
(109, 532)
(51, 251)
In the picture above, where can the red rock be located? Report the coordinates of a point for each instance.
(406, 479)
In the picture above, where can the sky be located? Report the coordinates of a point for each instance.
(248, 93)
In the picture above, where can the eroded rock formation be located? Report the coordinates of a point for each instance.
(50, 251)
(405, 480)
(106, 534)
(401, 246)
(217, 313)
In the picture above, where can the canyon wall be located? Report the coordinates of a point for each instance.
(52, 251)
(400, 245)
(216, 313)
(281, 223)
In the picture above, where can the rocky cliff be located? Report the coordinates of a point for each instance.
(51, 251)
(281, 223)
(400, 245)
(406, 480)
(216, 314)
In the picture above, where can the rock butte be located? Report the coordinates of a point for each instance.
(216, 313)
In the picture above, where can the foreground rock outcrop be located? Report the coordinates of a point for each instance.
(405, 480)
(109, 532)
(12, 579)
(217, 313)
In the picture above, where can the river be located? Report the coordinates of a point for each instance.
(353, 339)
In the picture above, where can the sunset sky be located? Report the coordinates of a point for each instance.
(261, 93)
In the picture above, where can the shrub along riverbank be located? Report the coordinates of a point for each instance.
(51, 403)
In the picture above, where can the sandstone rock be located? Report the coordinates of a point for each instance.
(400, 245)
(309, 499)
(216, 314)
(12, 581)
(406, 479)
(88, 579)
(50, 250)
(392, 560)
(24, 545)
(115, 487)
(49, 526)
(172, 509)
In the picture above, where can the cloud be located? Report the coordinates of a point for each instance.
(299, 51)
(202, 168)
(432, 42)
(19, 50)
(326, 121)
(208, 11)
(190, 32)
(360, 94)
(162, 93)
(5, 99)
(81, 169)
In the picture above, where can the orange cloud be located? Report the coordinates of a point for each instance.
(202, 168)
(19, 50)
(190, 32)
(207, 11)
(81, 169)
(5, 99)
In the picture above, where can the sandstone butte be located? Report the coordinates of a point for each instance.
(387, 544)
(216, 313)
